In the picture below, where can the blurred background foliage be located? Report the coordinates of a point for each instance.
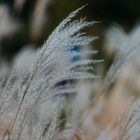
(35, 20)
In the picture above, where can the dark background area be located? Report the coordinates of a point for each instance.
(123, 12)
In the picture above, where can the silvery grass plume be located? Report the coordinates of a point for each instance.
(51, 74)
(105, 135)
(131, 125)
(127, 50)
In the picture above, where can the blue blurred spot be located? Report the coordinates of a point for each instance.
(75, 48)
